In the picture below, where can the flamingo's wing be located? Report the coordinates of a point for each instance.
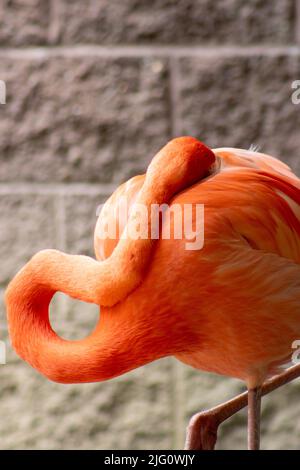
(261, 292)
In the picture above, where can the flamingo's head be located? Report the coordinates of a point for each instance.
(171, 165)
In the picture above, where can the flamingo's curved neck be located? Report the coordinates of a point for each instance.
(120, 342)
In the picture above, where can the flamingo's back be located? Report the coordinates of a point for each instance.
(260, 193)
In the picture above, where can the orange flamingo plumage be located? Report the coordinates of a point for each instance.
(231, 307)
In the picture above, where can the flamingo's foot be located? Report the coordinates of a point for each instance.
(202, 431)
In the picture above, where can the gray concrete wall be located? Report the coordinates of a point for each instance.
(94, 89)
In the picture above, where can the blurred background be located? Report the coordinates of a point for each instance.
(94, 89)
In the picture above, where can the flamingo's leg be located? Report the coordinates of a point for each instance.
(254, 407)
(203, 427)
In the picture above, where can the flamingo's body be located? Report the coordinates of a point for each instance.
(230, 308)
(238, 298)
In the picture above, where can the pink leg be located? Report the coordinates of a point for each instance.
(254, 406)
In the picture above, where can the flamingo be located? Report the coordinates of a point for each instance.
(230, 308)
